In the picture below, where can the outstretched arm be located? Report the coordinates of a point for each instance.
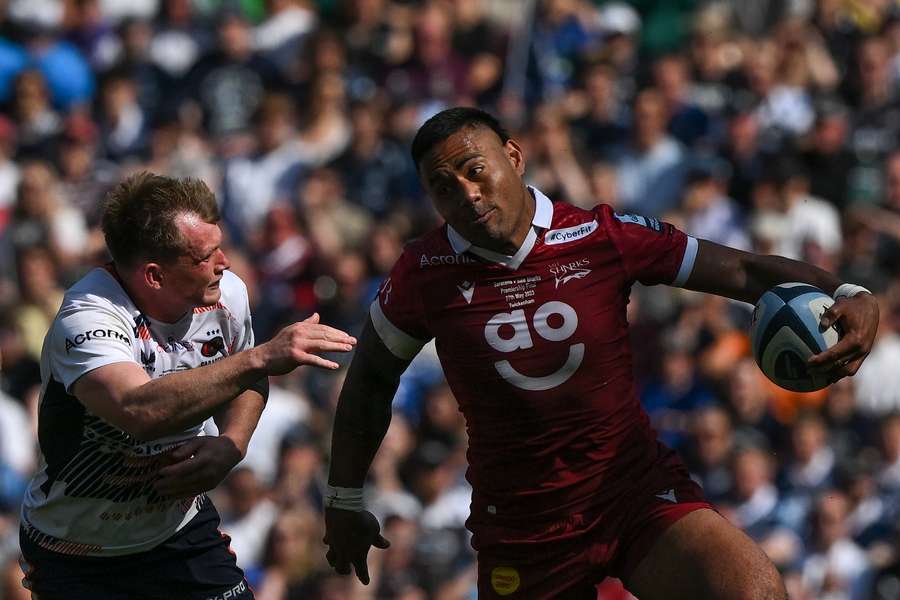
(745, 276)
(361, 422)
(123, 394)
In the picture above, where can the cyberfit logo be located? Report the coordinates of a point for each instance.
(570, 271)
(234, 592)
(96, 334)
(449, 259)
(569, 234)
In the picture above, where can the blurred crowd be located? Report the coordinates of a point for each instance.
(768, 125)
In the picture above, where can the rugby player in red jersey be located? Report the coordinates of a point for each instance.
(525, 299)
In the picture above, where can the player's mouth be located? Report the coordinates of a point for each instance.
(485, 217)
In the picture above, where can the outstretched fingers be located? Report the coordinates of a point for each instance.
(313, 360)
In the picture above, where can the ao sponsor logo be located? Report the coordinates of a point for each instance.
(96, 334)
(447, 259)
(569, 271)
(565, 320)
(569, 234)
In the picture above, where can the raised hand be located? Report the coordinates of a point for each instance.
(300, 343)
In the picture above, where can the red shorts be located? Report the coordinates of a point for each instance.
(613, 545)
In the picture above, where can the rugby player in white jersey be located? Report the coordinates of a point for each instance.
(141, 353)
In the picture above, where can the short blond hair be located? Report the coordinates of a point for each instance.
(140, 212)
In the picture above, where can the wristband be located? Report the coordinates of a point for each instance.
(344, 498)
(848, 290)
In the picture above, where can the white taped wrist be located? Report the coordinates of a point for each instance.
(848, 290)
(344, 498)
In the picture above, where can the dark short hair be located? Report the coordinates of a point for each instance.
(139, 217)
(447, 122)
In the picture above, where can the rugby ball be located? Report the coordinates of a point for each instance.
(785, 332)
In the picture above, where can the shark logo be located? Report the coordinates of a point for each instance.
(567, 272)
(467, 289)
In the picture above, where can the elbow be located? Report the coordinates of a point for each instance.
(140, 428)
(140, 423)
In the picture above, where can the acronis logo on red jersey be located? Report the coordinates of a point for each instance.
(447, 259)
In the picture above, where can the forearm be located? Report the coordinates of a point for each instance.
(237, 420)
(361, 421)
(746, 276)
(175, 402)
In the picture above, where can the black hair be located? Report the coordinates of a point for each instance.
(447, 122)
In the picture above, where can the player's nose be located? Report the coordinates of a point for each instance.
(471, 191)
(224, 264)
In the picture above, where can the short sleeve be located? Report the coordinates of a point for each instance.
(238, 303)
(652, 251)
(398, 313)
(84, 338)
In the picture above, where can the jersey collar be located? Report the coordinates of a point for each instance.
(543, 216)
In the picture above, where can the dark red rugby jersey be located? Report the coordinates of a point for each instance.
(535, 348)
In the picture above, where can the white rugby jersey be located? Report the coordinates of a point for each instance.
(93, 491)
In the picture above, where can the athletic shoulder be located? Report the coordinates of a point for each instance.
(234, 290)
(97, 291)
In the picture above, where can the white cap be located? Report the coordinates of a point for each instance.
(618, 17)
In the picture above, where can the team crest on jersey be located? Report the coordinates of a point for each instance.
(569, 234)
(648, 222)
(569, 271)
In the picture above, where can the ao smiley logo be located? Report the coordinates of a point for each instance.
(555, 322)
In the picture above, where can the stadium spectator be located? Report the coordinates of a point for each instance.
(36, 120)
(602, 119)
(229, 82)
(374, 169)
(709, 213)
(124, 126)
(750, 404)
(808, 472)
(651, 170)
(248, 515)
(827, 159)
(266, 175)
(836, 567)
(709, 451)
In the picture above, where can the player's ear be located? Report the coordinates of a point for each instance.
(153, 276)
(515, 155)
